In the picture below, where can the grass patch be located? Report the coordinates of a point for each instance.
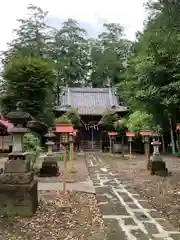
(60, 158)
(177, 154)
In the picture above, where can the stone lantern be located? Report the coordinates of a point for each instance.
(49, 166)
(64, 138)
(50, 143)
(17, 185)
(146, 134)
(130, 136)
(157, 166)
(19, 118)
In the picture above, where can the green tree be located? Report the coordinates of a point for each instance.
(75, 118)
(140, 120)
(120, 125)
(108, 119)
(71, 54)
(109, 55)
(29, 80)
(32, 36)
(152, 77)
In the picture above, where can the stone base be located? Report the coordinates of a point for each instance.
(81, 153)
(49, 167)
(17, 166)
(64, 208)
(18, 200)
(16, 178)
(158, 166)
(17, 155)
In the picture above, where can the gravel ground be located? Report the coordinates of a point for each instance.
(50, 223)
(162, 193)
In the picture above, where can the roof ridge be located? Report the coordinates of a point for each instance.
(90, 90)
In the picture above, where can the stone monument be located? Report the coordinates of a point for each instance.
(18, 189)
(49, 166)
(157, 166)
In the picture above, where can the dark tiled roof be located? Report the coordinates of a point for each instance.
(90, 101)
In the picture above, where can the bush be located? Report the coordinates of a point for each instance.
(120, 125)
(176, 154)
(63, 120)
(75, 118)
(108, 120)
(31, 144)
(140, 120)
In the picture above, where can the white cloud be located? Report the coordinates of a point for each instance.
(129, 13)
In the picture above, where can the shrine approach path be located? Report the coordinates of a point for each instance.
(126, 214)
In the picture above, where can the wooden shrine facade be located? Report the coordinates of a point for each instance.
(90, 103)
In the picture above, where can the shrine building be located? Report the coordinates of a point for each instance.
(90, 103)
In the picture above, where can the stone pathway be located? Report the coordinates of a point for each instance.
(127, 216)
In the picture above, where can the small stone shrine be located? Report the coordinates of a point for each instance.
(18, 189)
(157, 166)
(49, 166)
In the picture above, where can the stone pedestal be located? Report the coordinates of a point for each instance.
(157, 165)
(18, 199)
(18, 189)
(49, 167)
(19, 195)
(17, 163)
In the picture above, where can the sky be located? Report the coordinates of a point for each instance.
(91, 14)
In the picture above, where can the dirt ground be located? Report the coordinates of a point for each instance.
(162, 192)
(79, 171)
(49, 223)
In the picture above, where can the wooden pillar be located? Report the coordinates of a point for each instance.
(71, 158)
(110, 144)
(72, 151)
(65, 168)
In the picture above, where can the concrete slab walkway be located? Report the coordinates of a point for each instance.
(127, 216)
(86, 186)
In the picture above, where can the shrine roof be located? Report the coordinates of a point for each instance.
(90, 101)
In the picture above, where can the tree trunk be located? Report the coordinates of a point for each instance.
(172, 136)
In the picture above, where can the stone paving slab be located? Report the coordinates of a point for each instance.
(127, 215)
